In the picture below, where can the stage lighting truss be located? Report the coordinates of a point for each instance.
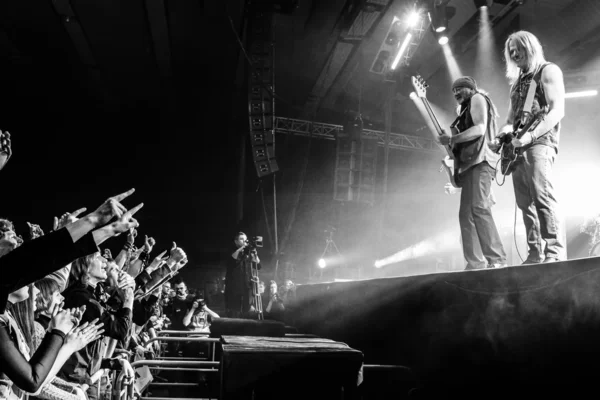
(400, 43)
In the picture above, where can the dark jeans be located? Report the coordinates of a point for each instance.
(535, 198)
(480, 238)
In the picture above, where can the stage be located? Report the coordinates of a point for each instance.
(534, 327)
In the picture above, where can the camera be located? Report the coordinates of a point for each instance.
(254, 242)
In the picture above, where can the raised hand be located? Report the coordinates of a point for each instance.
(176, 255)
(131, 235)
(110, 209)
(157, 262)
(126, 221)
(149, 243)
(5, 144)
(84, 334)
(180, 264)
(35, 231)
(66, 219)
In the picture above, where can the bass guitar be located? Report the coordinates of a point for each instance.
(510, 154)
(449, 163)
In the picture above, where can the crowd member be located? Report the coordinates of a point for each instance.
(53, 251)
(86, 273)
(199, 317)
(30, 374)
(48, 254)
(274, 308)
(33, 334)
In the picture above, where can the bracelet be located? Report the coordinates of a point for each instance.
(59, 333)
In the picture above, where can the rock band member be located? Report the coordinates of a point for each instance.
(471, 134)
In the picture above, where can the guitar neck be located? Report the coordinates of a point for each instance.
(436, 124)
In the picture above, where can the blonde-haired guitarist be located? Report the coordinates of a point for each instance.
(537, 86)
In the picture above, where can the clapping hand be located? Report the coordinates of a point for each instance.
(84, 334)
(65, 319)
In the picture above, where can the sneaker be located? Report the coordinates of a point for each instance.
(550, 260)
(530, 261)
(497, 265)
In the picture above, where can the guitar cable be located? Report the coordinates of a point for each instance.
(515, 218)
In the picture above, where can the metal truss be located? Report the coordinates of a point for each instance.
(330, 132)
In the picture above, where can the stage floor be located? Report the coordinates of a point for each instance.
(513, 325)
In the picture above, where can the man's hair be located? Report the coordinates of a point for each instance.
(80, 269)
(47, 287)
(6, 225)
(533, 49)
(237, 235)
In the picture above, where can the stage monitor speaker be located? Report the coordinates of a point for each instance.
(246, 327)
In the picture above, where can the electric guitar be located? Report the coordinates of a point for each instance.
(510, 154)
(449, 163)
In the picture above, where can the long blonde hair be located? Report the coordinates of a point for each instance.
(534, 52)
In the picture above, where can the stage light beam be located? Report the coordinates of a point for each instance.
(453, 68)
(583, 93)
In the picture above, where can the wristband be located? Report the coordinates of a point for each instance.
(59, 333)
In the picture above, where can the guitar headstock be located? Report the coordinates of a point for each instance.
(419, 85)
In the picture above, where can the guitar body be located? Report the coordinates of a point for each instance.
(451, 172)
(510, 155)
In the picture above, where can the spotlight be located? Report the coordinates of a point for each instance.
(412, 96)
(413, 19)
(480, 3)
(438, 16)
(322, 263)
(443, 39)
(378, 264)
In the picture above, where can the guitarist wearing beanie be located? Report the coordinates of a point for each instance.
(470, 136)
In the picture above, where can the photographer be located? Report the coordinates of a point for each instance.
(199, 317)
(238, 289)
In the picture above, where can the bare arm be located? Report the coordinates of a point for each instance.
(480, 121)
(554, 90)
(188, 317)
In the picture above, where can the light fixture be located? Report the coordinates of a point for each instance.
(405, 44)
(443, 39)
(322, 263)
(480, 3)
(413, 19)
(439, 16)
